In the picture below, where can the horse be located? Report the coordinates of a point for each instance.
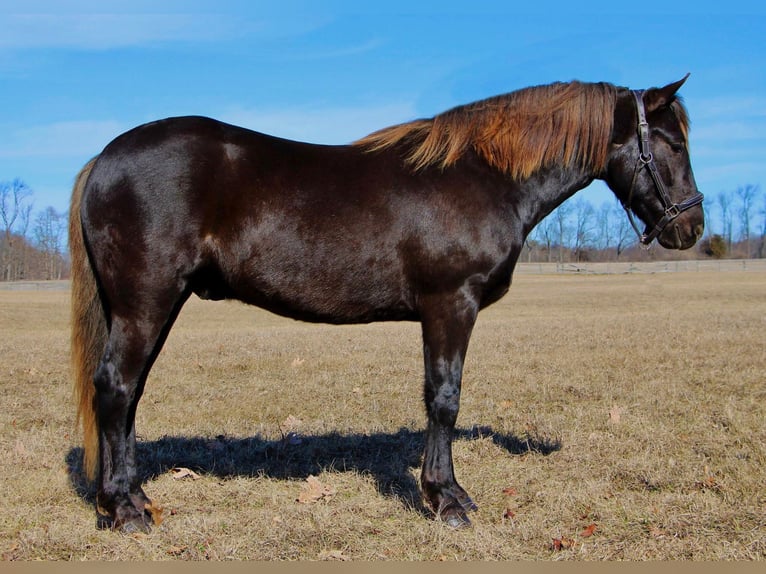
(422, 221)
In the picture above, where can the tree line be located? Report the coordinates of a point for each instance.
(735, 227)
(33, 243)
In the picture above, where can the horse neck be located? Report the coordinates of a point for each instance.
(536, 197)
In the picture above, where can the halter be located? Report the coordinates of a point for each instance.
(646, 159)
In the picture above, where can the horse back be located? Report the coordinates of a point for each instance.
(319, 233)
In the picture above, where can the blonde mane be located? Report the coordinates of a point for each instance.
(518, 133)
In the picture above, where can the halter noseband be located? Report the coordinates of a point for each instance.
(645, 159)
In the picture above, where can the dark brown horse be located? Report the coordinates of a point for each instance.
(418, 222)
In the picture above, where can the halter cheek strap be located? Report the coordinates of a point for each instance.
(646, 159)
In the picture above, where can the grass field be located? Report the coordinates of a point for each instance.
(603, 418)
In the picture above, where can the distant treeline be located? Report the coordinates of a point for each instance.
(33, 243)
(577, 231)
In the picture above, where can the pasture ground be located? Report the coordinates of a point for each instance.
(604, 417)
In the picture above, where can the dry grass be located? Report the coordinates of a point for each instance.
(633, 403)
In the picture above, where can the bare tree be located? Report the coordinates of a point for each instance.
(561, 225)
(15, 212)
(543, 236)
(725, 200)
(623, 233)
(747, 195)
(584, 225)
(762, 242)
(604, 226)
(50, 227)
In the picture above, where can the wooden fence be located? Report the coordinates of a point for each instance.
(605, 268)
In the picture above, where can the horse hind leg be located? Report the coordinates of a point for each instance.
(131, 349)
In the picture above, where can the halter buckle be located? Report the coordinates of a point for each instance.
(673, 211)
(644, 243)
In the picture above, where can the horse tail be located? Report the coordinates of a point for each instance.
(88, 324)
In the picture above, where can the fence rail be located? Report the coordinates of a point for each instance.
(622, 267)
(34, 285)
(605, 268)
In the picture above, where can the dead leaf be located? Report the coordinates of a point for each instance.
(314, 491)
(155, 512)
(176, 550)
(615, 414)
(562, 543)
(510, 491)
(709, 481)
(656, 532)
(509, 514)
(507, 404)
(588, 531)
(297, 362)
(179, 473)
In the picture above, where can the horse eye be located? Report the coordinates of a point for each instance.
(677, 147)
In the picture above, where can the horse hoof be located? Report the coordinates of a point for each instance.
(457, 521)
(138, 524)
(131, 528)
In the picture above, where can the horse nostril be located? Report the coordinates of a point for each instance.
(699, 229)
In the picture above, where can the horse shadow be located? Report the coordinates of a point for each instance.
(387, 457)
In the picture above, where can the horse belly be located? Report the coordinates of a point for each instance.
(326, 281)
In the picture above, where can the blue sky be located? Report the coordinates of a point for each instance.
(75, 74)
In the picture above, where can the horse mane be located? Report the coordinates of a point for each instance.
(679, 109)
(518, 133)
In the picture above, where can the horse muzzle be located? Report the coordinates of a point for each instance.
(684, 230)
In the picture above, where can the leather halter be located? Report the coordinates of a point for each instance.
(646, 159)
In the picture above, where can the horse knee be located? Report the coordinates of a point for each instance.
(444, 404)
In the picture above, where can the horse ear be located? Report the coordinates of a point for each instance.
(655, 98)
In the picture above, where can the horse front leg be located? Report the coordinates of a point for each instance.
(446, 331)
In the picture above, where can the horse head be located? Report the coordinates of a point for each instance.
(649, 169)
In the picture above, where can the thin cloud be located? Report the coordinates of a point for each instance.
(78, 139)
(343, 52)
(730, 132)
(724, 107)
(326, 125)
(60, 139)
(104, 31)
(727, 176)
